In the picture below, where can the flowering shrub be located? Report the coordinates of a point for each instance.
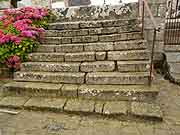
(20, 32)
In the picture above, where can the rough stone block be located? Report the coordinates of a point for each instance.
(119, 37)
(70, 90)
(33, 89)
(46, 48)
(52, 40)
(52, 33)
(99, 46)
(118, 92)
(72, 33)
(45, 103)
(146, 110)
(130, 45)
(100, 55)
(46, 57)
(84, 39)
(100, 31)
(50, 67)
(98, 66)
(128, 55)
(60, 77)
(91, 24)
(77, 105)
(69, 48)
(66, 40)
(64, 26)
(16, 102)
(133, 66)
(120, 107)
(84, 56)
(117, 78)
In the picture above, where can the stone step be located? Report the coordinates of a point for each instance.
(90, 56)
(117, 78)
(80, 78)
(51, 67)
(97, 66)
(128, 55)
(172, 48)
(133, 66)
(92, 31)
(131, 23)
(95, 92)
(99, 46)
(93, 38)
(91, 12)
(119, 109)
(53, 77)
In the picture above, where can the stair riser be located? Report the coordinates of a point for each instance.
(91, 39)
(92, 31)
(102, 96)
(89, 56)
(45, 67)
(128, 80)
(133, 67)
(80, 78)
(109, 46)
(122, 23)
(98, 66)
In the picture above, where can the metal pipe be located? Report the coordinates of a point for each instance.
(152, 58)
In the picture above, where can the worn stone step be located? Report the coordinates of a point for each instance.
(117, 78)
(133, 66)
(99, 46)
(93, 38)
(87, 13)
(98, 66)
(128, 55)
(46, 57)
(51, 67)
(84, 91)
(92, 31)
(54, 77)
(132, 23)
(120, 109)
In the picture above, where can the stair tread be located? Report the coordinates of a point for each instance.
(105, 88)
(144, 110)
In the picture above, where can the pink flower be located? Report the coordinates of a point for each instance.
(16, 40)
(21, 25)
(29, 34)
(14, 62)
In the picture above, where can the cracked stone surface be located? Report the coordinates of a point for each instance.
(44, 123)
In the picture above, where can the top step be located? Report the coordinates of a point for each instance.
(108, 12)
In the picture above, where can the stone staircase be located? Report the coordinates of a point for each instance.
(93, 67)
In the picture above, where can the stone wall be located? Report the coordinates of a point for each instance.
(158, 8)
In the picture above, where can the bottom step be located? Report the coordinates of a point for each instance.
(98, 92)
(106, 108)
